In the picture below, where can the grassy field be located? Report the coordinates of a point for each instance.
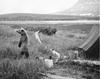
(60, 41)
(44, 17)
(14, 67)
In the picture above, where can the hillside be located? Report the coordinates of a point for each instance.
(84, 7)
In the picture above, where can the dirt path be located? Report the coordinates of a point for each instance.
(57, 77)
(88, 61)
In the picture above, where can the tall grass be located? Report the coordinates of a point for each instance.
(8, 52)
(13, 67)
(21, 69)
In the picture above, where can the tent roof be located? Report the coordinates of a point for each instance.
(91, 38)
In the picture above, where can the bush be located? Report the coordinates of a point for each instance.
(48, 31)
(44, 30)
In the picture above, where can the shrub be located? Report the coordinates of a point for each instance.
(48, 31)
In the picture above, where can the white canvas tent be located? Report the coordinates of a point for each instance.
(91, 43)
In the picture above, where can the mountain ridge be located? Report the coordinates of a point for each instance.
(85, 7)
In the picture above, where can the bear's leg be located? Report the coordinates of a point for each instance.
(26, 54)
(21, 54)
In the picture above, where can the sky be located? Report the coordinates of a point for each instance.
(35, 6)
